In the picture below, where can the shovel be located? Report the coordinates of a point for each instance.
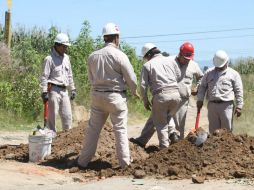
(201, 135)
(197, 136)
(197, 119)
(46, 114)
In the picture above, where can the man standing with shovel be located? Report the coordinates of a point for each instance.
(222, 85)
(56, 78)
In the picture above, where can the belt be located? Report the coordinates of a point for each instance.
(165, 90)
(116, 91)
(220, 101)
(59, 86)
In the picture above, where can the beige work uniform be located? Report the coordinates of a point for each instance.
(149, 129)
(222, 87)
(188, 72)
(160, 74)
(109, 70)
(57, 72)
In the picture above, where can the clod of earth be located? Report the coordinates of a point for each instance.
(223, 155)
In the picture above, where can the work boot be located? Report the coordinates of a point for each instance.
(174, 138)
(135, 141)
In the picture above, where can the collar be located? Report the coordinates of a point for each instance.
(222, 72)
(110, 44)
(156, 55)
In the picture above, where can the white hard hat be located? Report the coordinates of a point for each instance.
(220, 58)
(110, 29)
(62, 38)
(146, 48)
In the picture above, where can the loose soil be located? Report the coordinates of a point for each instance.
(223, 155)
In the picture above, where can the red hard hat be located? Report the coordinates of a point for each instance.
(187, 50)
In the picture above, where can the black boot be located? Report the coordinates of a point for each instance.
(174, 138)
(135, 141)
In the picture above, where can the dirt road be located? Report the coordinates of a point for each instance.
(28, 176)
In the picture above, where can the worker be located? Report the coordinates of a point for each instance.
(189, 69)
(56, 80)
(222, 85)
(109, 69)
(161, 76)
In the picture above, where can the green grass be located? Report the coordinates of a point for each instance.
(244, 124)
(243, 127)
(137, 112)
(11, 122)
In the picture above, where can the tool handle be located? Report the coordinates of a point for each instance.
(197, 119)
(45, 113)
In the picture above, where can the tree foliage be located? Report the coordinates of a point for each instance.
(19, 80)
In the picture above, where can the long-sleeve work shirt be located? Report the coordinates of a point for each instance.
(159, 73)
(56, 69)
(222, 86)
(109, 69)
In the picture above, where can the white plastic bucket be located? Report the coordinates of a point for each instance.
(39, 147)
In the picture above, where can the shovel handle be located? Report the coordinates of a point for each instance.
(197, 119)
(45, 113)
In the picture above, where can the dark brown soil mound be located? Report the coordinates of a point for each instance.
(223, 155)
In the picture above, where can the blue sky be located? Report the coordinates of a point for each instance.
(149, 18)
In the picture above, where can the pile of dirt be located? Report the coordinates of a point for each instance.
(223, 155)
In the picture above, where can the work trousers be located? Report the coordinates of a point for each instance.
(164, 104)
(220, 115)
(106, 104)
(180, 116)
(149, 129)
(178, 122)
(59, 102)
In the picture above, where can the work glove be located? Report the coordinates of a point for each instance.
(199, 104)
(45, 96)
(73, 94)
(238, 112)
(147, 105)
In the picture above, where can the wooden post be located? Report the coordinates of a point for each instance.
(7, 33)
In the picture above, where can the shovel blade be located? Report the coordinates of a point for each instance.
(201, 138)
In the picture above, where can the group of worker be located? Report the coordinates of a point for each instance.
(169, 79)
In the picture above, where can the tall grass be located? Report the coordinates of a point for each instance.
(245, 123)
